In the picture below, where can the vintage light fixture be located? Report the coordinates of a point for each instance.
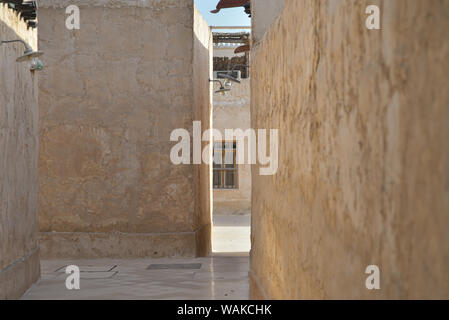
(28, 55)
(222, 89)
(229, 76)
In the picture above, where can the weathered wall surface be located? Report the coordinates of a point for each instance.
(364, 151)
(111, 95)
(232, 111)
(19, 250)
(264, 13)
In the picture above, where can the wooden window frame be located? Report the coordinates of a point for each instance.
(223, 169)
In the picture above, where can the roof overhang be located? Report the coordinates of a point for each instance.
(27, 10)
(225, 4)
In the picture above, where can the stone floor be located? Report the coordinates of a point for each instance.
(224, 275)
(232, 234)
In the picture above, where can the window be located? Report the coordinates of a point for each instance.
(225, 166)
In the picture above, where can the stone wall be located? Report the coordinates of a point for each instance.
(232, 111)
(364, 151)
(19, 250)
(236, 62)
(111, 95)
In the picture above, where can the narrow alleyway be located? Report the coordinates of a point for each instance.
(224, 150)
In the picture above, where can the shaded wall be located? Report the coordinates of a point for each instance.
(364, 151)
(232, 111)
(202, 96)
(19, 250)
(111, 96)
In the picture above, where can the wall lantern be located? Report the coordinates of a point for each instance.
(28, 55)
(222, 89)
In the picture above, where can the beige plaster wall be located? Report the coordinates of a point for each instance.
(111, 95)
(232, 111)
(19, 250)
(364, 151)
(202, 96)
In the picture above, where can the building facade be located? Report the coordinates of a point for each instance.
(231, 111)
(111, 95)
